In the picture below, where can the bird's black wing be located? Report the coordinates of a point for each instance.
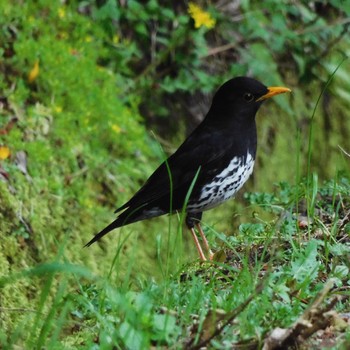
(200, 150)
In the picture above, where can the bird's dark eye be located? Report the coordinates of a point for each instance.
(248, 97)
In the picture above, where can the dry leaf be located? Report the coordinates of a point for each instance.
(211, 322)
(33, 74)
(21, 162)
(5, 130)
(220, 256)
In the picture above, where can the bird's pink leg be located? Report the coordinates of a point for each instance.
(206, 243)
(199, 248)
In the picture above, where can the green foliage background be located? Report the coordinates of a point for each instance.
(114, 74)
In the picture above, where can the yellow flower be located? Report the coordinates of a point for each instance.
(88, 39)
(61, 12)
(116, 128)
(4, 152)
(33, 74)
(200, 17)
(58, 109)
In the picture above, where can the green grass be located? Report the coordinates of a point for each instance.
(294, 259)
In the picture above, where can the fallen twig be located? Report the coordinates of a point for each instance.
(313, 319)
(208, 334)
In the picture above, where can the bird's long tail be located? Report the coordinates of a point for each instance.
(107, 229)
(127, 217)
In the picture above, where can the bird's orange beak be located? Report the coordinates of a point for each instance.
(272, 91)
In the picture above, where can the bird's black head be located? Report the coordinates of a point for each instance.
(241, 97)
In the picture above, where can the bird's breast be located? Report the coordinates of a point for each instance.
(224, 185)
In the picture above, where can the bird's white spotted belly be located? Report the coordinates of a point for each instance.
(224, 185)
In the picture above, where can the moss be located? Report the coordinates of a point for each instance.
(71, 129)
(7, 214)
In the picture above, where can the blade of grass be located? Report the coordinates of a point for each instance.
(165, 160)
(311, 133)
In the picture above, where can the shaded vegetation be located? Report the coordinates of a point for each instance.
(79, 82)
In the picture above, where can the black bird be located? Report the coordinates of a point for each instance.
(210, 166)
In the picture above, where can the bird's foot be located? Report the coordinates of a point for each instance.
(211, 255)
